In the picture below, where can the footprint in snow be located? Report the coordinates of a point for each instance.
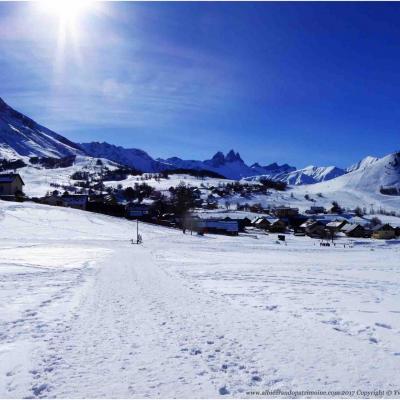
(195, 352)
(223, 391)
(381, 325)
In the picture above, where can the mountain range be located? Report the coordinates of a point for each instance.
(22, 138)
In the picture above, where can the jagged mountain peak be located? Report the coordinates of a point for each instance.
(232, 157)
(218, 158)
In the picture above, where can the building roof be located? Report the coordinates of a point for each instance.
(351, 227)
(311, 222)
(238, 215)
(9, 178)
(383, 227)
(336, 224)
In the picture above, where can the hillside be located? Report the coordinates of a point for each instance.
(359, 188)
(20, 136)
(304, 176)
(135, 158)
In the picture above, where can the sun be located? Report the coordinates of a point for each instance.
(66, 10)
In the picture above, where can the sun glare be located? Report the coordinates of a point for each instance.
(70, 22)
(66, 9)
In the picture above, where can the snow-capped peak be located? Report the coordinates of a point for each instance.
(21, 136)
(362, 164)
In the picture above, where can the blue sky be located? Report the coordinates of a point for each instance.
(303, 83)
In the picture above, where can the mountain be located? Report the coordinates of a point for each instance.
(311, 174)
(362, 164)
(373, 173)
(20, 136)
(304, 176)
(135, 158)
(271, 169)
(374, 183)
(230, 165)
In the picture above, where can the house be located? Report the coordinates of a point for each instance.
(270, 224)
(260, 222)
(75, 201)
(242, 221)
(316, 210)
(285, 212)
(355, 230)
(336, 226)
(11, 185)
(296, 221)
(383, 231)
(136, 210)
(215, 226)
(315, 229)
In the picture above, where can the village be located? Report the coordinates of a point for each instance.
(195, 210)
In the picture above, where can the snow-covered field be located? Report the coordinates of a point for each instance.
(84, 313)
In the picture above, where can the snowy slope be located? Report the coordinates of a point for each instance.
(362, 164)
(311, 174)
(304, 176)
(358, 188)
(38, 180)
(368, 178)
(135, 158)
(21, 136)
(86, 314)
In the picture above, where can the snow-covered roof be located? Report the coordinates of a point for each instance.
(351, 227)
(382, 227)
(335, 224)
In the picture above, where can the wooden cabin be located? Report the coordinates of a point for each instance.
(11, 185)
(315, 229)
(275, 225)
(355, 230)
(336, 226)
(383, 231)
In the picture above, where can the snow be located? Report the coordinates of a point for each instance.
(172, 181)
(38, 180)
(84, 313)
(304, 176)
(21, 137)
